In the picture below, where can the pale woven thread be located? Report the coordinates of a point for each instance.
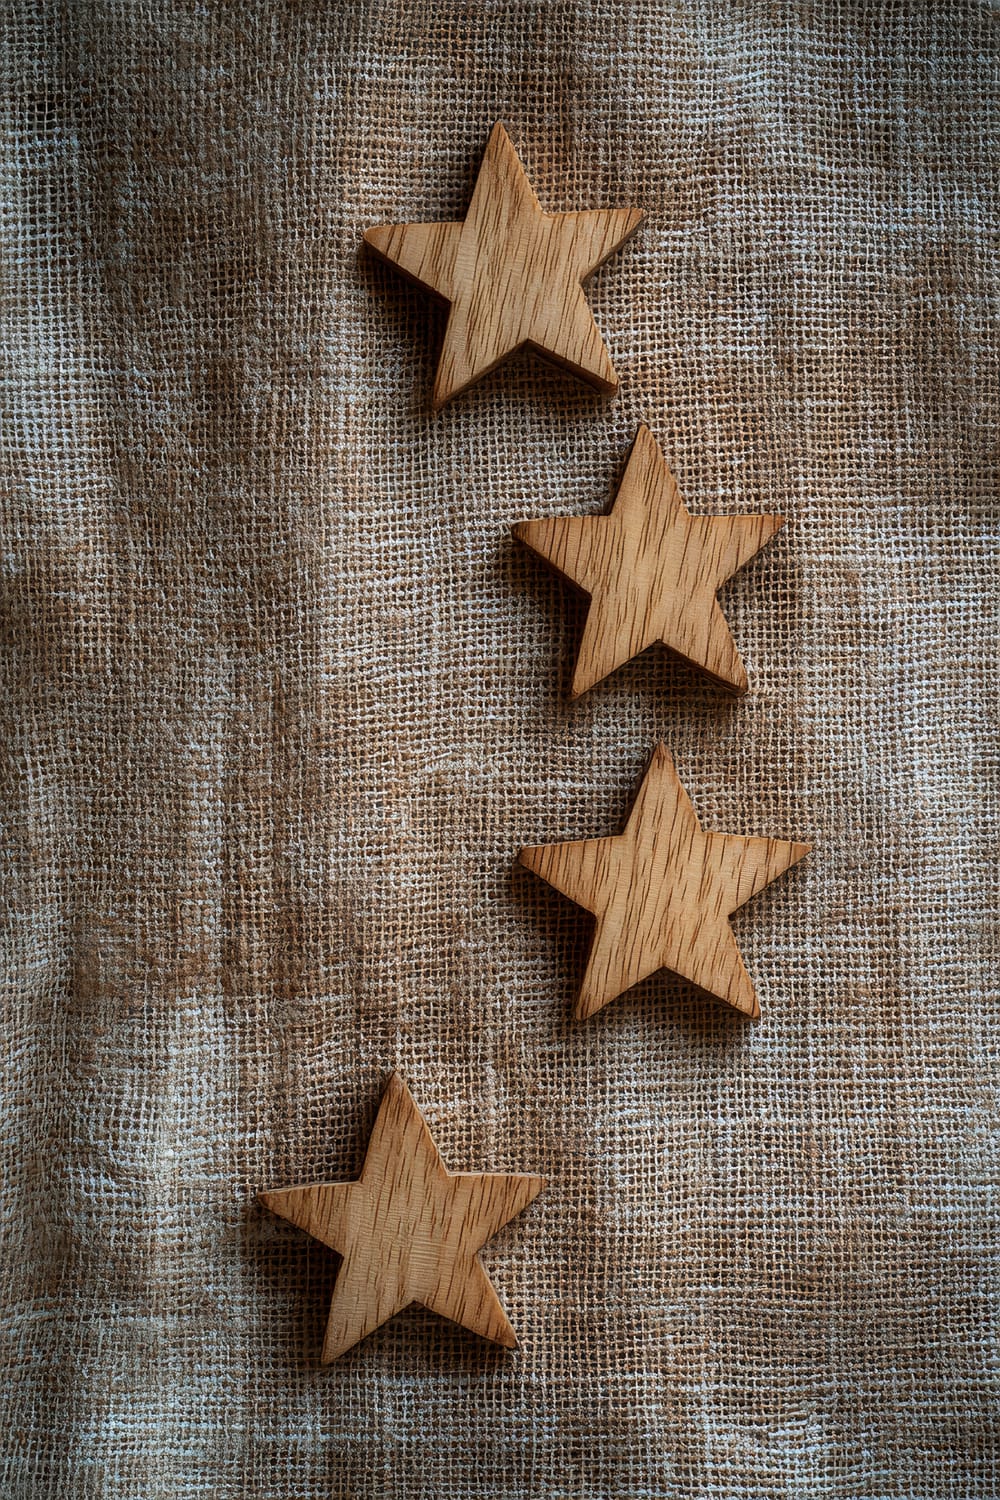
(282, 701)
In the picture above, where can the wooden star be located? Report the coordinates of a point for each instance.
(408, 1230)
(652, 570)
(512, 274)
(662, 892)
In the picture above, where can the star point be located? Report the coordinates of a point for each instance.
(512, 275)
(408, 1230)
(652, 570)
(662, 892)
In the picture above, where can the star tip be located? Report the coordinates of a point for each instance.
(441, 395)
(584, 681)
(754, 1013)
(275, 1201)
(533, 1185)
(585, 1006)
(374, 237)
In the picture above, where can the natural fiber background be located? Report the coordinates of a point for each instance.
(282, 700)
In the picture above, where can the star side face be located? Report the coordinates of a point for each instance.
(408, 1230)
(652, 570)
(662, 892)
(513, 275)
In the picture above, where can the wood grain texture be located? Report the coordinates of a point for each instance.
(662, 892)
(513, 275)
(408, 1230)
(652, 570)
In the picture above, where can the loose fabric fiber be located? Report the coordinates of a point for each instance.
(282, 699)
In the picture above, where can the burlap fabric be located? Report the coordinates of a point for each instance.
(282, 700)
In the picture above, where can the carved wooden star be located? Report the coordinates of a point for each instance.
(652, 570)
(512, 274)
(662, 892)
(408, 1230)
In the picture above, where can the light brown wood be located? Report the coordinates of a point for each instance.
(512, 274)
(662, 892)
(408, 1230)
(651, 570)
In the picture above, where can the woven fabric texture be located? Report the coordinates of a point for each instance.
(282, 699)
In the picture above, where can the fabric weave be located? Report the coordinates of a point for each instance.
(282, 699)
